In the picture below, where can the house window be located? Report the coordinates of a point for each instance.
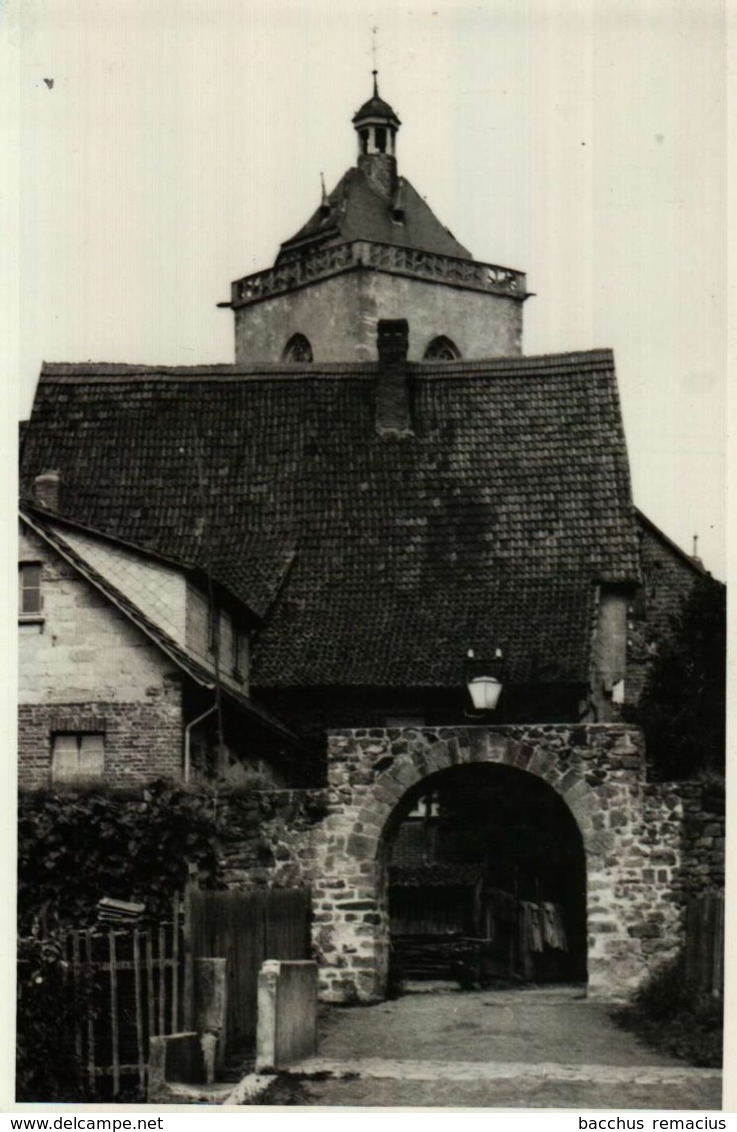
(240, 653)
(77, 758)
(442, 349)
(29, 588)
(427, 807)
(297, 349)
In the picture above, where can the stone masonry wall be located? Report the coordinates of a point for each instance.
(339, 316)
(632, 840)
(81, 648)
(268, 838)
(693, 814)
(648, 847)
(83, 666)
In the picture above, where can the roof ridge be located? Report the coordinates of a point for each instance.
(320, 369)
(158, 636)
(34, 511)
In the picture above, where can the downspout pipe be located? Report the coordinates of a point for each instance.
(187, 736)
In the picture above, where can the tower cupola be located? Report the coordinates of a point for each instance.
(373, 252)
(377, 126)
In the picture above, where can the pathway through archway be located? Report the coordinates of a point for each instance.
(485, 880)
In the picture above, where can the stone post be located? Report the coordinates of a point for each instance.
(287, 1013)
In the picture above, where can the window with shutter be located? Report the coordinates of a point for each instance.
(77, 758)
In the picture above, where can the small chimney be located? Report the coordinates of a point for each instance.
(695, 556)
(393, 415)
(46, 490)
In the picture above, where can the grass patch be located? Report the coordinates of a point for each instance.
(672, 1015)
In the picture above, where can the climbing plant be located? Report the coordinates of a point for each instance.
(683, 707)
(76, 847)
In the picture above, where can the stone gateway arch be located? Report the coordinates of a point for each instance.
(631, 834)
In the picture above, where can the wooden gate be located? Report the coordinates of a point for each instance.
(704, 947)
(246, 928)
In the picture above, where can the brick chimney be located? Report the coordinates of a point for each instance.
(46, 490)
(393, 416)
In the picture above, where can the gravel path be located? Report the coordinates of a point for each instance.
(686, 1096)
(525, 1025)
(495, 1049)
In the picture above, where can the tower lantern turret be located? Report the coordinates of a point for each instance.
(377, 126)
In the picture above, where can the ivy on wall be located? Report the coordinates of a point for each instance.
(75, 848)
(682, 710)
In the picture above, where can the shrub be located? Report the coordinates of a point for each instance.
(682, 710)
(670, 1014)
(48, 1003)
(76, 847)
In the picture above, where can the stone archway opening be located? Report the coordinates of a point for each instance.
(483, 878)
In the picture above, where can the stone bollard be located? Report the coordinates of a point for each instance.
(173, 1059)
(287, 1013)
(211, 1005)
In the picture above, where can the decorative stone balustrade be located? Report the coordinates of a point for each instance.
(324, 262)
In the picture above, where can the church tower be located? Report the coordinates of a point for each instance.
(374, 250)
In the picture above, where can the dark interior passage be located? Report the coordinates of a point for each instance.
(487, 880)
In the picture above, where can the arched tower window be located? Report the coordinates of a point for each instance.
(297, 349)
(441, 349)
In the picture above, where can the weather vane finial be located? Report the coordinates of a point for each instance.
(373, 53)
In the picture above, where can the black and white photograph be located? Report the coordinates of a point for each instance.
(370, 370)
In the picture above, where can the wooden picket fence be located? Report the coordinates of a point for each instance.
(138, 982)
(134, 989)
(704, 943)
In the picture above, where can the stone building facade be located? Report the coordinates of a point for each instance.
(84, 670)
(111, 689)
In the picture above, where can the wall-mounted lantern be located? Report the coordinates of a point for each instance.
(484, 680)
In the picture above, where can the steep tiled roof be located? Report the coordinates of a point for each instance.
(359, 212)
(180, 656)
(250, 571)
(488, 527)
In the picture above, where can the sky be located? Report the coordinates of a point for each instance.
(166, 147)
